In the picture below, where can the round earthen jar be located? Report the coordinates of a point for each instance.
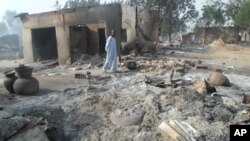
(25, 84)
(9, 81)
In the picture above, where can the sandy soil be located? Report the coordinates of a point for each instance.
(229, 54)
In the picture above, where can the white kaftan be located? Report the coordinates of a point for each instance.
(111, 56)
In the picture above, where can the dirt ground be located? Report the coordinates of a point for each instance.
(79, 111)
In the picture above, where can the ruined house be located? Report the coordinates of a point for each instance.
(60, 34)
(209, 34)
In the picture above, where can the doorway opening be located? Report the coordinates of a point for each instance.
(44, 43)
(78, 41)
(124, 35)
(102, 41)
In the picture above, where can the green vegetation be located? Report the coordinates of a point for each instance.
(243, 16)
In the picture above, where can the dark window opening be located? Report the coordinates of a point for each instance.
(124, 35)
(44, 43)
(102, 40)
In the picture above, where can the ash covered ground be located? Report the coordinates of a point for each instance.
(80, 110)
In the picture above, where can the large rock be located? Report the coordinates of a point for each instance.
(218, 79)
(12, 125)
(34, 134)
(5, 114)
(203, 87)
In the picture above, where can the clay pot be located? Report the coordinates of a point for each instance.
(9, 81)
(25, 84)
(218, 79)
(24, 71)
(131, 65)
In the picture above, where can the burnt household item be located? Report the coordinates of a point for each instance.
(9, 81)
(246, 99)
(25, 84)
(131, 65)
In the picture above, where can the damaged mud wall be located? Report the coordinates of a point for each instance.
(141, 29)
(44, 43)
(188, 38)
(208, 35)
(110, 15)
(128, 26)
(148, 25)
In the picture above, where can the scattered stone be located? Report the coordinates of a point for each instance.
(127, 118)
(34, 134)
(189, 62)
(241, 117)
(202, 67)
(218, 79)
(68, 62)
(80, 76)
(143, 136)
(218, 70)
(230, 67)
(199, 62)
(203, 87)
(139, 79)
(91, 100)
(180, 69)
(12, 125)
(5, 114)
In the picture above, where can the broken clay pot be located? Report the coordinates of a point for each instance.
(9, 81)
(25, 84)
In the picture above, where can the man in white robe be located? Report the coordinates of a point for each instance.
(111, 54)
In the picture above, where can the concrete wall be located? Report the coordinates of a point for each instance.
(108, 14)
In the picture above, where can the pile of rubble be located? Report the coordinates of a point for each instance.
(19, 128)
(163, 65)
(87, 62)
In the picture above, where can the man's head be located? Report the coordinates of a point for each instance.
(113, 33)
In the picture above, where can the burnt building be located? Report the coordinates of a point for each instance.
(60, 34)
